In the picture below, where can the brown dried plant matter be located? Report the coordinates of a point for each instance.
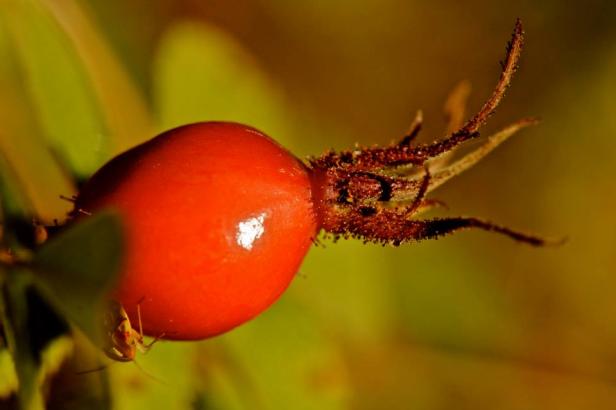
(374, 193)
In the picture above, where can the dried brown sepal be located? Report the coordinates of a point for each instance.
(398, 154)
(509, 67)
(392, 226)
(362, 194)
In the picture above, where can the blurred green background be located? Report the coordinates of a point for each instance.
(469, 321)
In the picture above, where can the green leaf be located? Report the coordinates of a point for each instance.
(78, 385)
(57, 86)
(122, 105)
(8, 375)
(26, 153)
(77, 269)
(36, 337)
(202, 74)
(15, 321)
(165, 378)
(282, 359)
(16, 212)
(349, 287)
(14, 203)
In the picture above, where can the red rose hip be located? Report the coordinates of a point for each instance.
(218, 218)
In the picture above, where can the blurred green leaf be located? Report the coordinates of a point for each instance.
(453, 301)
(77, 269)
(125, 112)
(286, 360)
(348, 284)
(36, 338)
(76, 386)
(14, 203)
(162, 378)
(16, 213)
(28, 159)
(58, 86)
(15, 320)
(202, 74)
(8, 376)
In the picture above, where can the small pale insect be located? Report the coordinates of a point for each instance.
(123, 341)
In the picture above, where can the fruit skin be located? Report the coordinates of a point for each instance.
(217, 217)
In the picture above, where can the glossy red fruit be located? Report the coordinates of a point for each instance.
(218, 218)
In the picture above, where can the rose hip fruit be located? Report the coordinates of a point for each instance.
(218, 216)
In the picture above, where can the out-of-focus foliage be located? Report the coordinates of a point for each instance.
(76, 269)
(473, 321)
(8, 379)
(16, 313)
(58, 87)
(185, 81)
(68, 278)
